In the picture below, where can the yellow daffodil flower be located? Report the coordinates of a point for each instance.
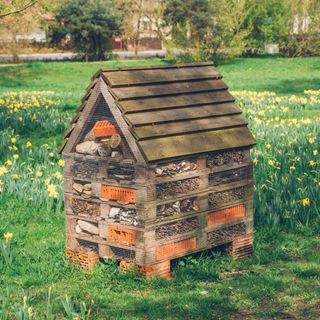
(8, 235)
(306, 202)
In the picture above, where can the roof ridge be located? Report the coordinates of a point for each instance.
(160, 66)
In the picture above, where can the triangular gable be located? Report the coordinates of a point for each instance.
(89, 114)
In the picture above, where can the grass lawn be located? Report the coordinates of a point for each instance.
(283, 76)
(280, 281)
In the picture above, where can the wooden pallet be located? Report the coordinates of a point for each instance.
(238, 248)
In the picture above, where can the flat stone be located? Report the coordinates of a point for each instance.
(88, 147)
(78, 187)
(88, 227)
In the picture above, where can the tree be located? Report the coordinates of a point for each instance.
(190, 21)
(303, 28)
(91, 24)
(207, 25)
(15, 7)
(137, 14)
(267, 22)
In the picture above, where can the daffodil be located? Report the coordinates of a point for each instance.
(52, 191)
(8, 235)
(312, 163)
(61, 163)
(311, 140)
(51, 154)
(315, 152)
(28, 144)
(30, 312)
(58, 175)
(268, 146)
(39, 174)
(15, 156)
(306, 202)
(13, 140)
(255, 161)
(3, 170)
(292, 168)
(9, 163)
(271, 162)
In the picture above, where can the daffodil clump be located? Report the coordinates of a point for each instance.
(28, 111)
(30, 173)
(7, 251)
(286, 158)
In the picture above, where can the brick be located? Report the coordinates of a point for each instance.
(85, 260)
(122, 235)
(103, 128)
(226, 215)
(175, 248)
(118, 193)
(160, 269)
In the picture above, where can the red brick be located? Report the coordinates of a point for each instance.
(175, 248)
(226, 215)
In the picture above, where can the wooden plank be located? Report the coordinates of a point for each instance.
(163, 89)
(160, 66)
(68, 132)
(135, 77)
(177, 101)
(182, 145)
(196, 112)
(81, 118)
(180, 127)
(121, 122)
(75, 118)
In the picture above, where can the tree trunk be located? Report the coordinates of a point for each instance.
(137, 37)
(14, 48)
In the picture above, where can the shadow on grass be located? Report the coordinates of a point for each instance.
(296, 86)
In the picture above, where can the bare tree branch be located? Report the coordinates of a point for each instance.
(9, 13)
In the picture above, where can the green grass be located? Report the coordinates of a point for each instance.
(283, 76)
(280, 281)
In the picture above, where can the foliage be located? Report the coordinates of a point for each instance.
(233, 27)
(136, 13)
(266, 22)
(31, 172)
(90, 24)
(286, 184)
(7, 251)
(14, 7)
(208, 25)
(304, 24)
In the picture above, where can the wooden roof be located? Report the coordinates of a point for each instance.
(176, 110)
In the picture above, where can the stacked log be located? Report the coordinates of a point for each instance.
(170, 189)
(177, 207)
(173, 168)
(173, 229)
(226, 234)
(124, 216)
(224, 158)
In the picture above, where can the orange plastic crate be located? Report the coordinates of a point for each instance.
(226, 215)
(122, 235)
(118, 193)
(104, 128)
